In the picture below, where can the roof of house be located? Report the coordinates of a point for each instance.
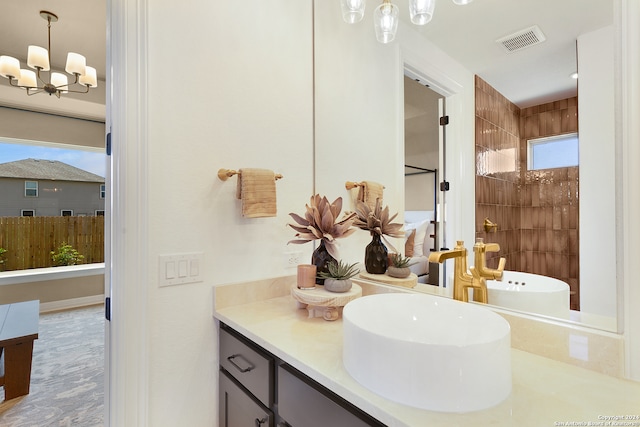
(46, 169)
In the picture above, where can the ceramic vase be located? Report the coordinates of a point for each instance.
(376, 258)
(320, 258)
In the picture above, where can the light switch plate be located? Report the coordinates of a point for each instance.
(179, 269)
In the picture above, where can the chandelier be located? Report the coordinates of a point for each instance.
(39, 59)
(385, 17)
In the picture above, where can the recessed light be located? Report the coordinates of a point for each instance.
(574, 75)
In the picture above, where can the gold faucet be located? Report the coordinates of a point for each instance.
(490, 226)
(462, 280)
(480, 250)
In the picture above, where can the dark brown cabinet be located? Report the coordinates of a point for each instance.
(258, 389)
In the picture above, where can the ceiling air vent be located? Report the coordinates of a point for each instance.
(522, 39)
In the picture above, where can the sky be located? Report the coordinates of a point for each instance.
(91, 161)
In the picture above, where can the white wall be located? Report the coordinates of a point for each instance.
(238, 97)
(596, 106)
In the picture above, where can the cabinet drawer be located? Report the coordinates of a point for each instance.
(302, 402)
(252, 367)
(238, 409)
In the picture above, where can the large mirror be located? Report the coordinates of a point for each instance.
(517, 77)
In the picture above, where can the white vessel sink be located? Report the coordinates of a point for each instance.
(427, 351)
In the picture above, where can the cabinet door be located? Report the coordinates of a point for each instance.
(302, 404)
(238, 409)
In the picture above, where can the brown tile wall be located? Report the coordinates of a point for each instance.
(536, 211)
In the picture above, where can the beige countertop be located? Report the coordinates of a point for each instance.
(545, 392)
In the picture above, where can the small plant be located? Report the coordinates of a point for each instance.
(66, 255)
(339, 271)
(399, 261)
(3, 251)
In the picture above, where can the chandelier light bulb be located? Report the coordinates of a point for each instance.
(9, 67)
(385, 19)
(352, 10)
(38, 57)
(421, 11)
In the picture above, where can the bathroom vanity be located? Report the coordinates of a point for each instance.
(303, 377)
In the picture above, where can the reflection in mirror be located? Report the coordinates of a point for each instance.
(536, 215)
(586, 261)
(422, 157)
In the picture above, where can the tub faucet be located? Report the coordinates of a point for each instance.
(480, 250)
(462, 280)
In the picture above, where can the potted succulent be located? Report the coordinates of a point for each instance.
(320, 222)
(399, 267)
(338, 276)
(378, 223)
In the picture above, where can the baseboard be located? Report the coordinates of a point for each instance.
(71, 303)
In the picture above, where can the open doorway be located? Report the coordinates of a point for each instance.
(422, 147)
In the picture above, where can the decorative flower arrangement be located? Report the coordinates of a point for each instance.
(378, 221)
(321, 222)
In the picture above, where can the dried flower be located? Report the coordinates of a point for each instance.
(378, 221)
(320, 222)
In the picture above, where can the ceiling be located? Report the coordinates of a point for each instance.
(532, 76)
(467, 33)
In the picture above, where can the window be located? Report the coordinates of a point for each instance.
(31, 189)
(66, 212)
(99, 213)
(28, 212)
(552, 152)
(102, 191)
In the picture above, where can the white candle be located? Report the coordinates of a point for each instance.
(76, 63)
(89, 78)
(38, 57)
(9, 67)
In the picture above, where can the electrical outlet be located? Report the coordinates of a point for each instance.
(292, 259)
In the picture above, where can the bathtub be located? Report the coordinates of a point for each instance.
(529, 292)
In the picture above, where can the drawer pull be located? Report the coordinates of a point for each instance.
(238, 367)
(262, 421)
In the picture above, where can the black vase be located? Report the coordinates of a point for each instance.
(376, 258)
(320, 258)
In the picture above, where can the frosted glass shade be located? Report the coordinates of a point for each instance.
(27, 79)
(60, 81)
(76, 63)
(352, 10)
(421, 11)
(385, 19)
(89, 78)
(38, 57)
(9, 67)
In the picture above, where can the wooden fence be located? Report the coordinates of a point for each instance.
(30, 240)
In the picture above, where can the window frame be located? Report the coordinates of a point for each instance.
(22, 212)
(26, 189)
(62, 211)
(103, 191)
(533, 142)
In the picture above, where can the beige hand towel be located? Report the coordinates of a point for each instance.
(257, 190)
(369, 191)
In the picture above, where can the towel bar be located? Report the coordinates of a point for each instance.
(225, 174)
(350, 185)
